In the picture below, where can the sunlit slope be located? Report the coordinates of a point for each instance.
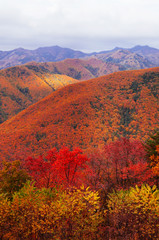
(86, 114)
(80, 69)
(20, 87)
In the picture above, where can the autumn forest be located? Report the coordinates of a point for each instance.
(79, 151)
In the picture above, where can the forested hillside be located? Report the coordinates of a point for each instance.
(86, 114)
(22, 86)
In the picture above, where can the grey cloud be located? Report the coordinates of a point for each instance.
(84, 25)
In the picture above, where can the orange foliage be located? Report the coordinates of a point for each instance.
(22, 86)
(86, 115)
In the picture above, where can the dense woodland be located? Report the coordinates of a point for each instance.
(111, 193)
(83, 163)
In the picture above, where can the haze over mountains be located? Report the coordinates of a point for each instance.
(135, 58)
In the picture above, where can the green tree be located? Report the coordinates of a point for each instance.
(12, 177)
(151, 144)
(152, 149)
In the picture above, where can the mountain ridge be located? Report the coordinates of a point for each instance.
(55, 53)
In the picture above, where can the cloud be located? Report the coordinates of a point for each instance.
(34, 23)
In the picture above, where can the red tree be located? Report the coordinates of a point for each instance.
(120, 164)
(63, 167)
(128, 162)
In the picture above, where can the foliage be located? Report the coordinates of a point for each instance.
(63, 167)
(122, 163)
(134, 213)
(12, 178)
(151, 144)
(88, 114)
(46, 214)
(152, 149)
(155, 162)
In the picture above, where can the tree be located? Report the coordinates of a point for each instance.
(152, 149)
(134, 213)
(63, 167)
(121, 163)
(151, 144)
(12, 177)
(50, 214)
(128, 162)
(42, 169)
(70, 166)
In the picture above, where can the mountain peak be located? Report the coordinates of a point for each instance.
(144, 49)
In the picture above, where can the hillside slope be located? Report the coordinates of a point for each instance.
(80, 69)
(86, 114)
(20, 87)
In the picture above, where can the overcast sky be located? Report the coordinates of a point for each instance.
(86, 25)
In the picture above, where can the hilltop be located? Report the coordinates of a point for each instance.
(86, 114)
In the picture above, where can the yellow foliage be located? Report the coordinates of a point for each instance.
(38, 214)
(136, 211)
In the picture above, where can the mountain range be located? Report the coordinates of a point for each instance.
(137, 57)
(86, 114)
(23, 85)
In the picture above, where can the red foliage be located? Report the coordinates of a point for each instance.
(128, 160)
(121, 164)
(63, 167)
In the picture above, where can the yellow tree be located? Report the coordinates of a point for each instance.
(134, 213)
(49, 214)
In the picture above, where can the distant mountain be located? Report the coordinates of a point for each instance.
(134, 58)
(46, 54)
(152, 54)
(86, 114)
(22, 86)
(126, 59)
